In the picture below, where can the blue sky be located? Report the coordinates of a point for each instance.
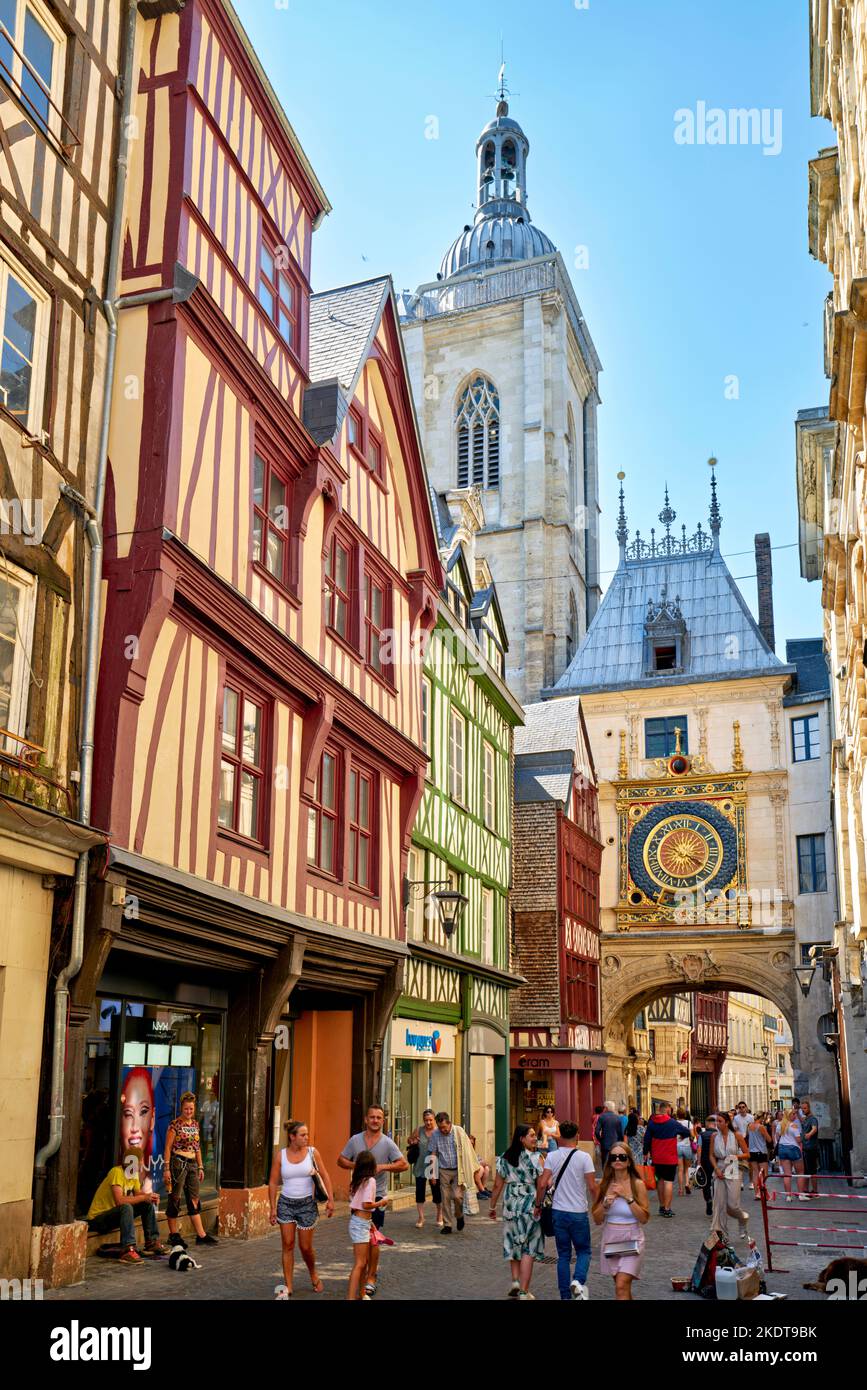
(698, 263)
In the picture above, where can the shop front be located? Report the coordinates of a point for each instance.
(423, 1061)
(572, 1081)
(141, 1055)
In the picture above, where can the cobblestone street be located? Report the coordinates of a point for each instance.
(423, 1265)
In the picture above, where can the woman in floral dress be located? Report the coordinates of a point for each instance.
(634, 1136)
(523, 1243)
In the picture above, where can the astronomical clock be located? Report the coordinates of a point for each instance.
(682, 845)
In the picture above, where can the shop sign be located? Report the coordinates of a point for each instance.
(413, 1038)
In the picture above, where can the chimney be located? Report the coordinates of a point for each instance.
(765, 586)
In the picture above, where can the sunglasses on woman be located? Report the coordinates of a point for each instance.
(619, 1158)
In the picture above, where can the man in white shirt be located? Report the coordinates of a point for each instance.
(575, 1189)
(742, 1119)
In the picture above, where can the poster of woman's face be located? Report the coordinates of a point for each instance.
(149, 1101)
(137, 1114)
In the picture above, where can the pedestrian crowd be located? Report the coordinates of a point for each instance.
(544, 1185)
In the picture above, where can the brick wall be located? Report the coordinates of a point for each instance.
(537, 1003)
(534, 904)
(534, 857)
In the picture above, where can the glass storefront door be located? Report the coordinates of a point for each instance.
(417, 1085)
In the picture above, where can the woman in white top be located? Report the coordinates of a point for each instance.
(295, 1206)
(622, 1205)
(726, 1147)
(790, 1152)
(548, 1130)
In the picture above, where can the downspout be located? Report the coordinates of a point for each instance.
(93, 531)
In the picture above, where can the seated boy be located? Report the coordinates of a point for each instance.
(118, 1201)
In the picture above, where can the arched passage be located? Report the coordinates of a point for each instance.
(637, 972)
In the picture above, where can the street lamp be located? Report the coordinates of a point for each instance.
(804, 975)
(449, 901)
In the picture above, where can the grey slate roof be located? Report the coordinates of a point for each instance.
(343, 324)
(724, 640)
(812, 682)
(548, 728)
(548, 749)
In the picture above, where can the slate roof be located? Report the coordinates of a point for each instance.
(724, 640)
(812, 682)
(548, 749)
(343, 324)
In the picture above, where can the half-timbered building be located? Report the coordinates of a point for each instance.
(449, 1039)
(556, 1035)
(58, 69)
(271, 570)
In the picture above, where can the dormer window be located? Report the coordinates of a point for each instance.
(664, 657)
(665, 637)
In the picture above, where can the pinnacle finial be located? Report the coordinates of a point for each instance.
(715, 514)
(668, 514)
(622, 533)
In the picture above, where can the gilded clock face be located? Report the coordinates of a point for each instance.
(683, 851)
(682, 847)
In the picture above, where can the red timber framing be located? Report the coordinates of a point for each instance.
(580, 861)
(184, 612)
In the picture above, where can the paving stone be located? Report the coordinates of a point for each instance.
(424, 1265)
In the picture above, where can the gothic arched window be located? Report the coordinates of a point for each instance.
(572, 477)
(478, 429)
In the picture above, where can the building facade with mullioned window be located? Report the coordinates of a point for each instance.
(58, 120)
(450, 1034)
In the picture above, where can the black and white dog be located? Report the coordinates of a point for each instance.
(179, 1257)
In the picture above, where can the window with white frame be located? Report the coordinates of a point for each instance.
(490, 787)
(31, 59)
(23, 345)
(488, 926)
(457, 742)
(17, 607)
(417, 897)
(425, 715)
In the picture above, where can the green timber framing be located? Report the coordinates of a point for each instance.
(463, 835)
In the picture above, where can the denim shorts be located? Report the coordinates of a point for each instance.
(359, 1230)
(297, 1211)
(791, 1154)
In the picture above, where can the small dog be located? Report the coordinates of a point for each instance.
(840, 1268)
(179, 1257)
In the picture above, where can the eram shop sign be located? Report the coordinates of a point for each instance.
(411, 1037)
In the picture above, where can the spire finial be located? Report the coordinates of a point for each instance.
(667, 516)
(715, 514)
(622, 533)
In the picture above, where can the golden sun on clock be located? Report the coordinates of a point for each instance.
(682, 852)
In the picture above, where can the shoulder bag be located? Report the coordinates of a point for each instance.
(320, 1191)
(546, 1218)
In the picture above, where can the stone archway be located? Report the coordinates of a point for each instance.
(636, 970)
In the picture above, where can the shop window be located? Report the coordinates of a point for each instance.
(338, 563)
(140, 1058)
(271, 509)
(242, 763)
(361, 817)
(323, 819)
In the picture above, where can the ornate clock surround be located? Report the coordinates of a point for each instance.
(682, 848)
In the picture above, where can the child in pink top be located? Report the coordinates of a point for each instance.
(362, 1201)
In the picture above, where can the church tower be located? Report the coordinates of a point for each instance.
(505, 377)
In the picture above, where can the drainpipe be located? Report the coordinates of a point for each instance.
(93, 532)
